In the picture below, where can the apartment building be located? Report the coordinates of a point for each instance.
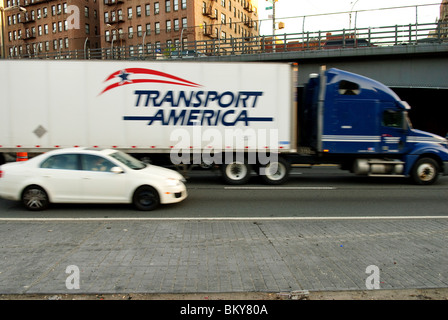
(443, 20)
(49, 27)
(167, 26)
(58, 28)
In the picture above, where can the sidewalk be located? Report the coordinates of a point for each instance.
(216, 257)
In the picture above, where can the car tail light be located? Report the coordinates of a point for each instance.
(1, 173)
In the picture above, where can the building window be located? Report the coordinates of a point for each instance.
(167, 5)
(176, 24)
(147, 9)
(139, 31)
(86, 12)
(168, 25)
(156, 8)
(129, 13)
(87, 28)
(184, 4)
(157, 27)
(184, 22)
(139, 11)
(176, 5)
(130, 32)
(148, 28)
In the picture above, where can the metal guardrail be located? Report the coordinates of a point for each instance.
(411, 34)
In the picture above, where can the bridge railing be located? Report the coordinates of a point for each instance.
(410, 34)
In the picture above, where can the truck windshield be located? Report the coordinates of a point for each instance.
(128, 160)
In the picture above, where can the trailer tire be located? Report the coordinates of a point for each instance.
(146, 198)
(276, 172)
(34, 198)
(236, 173)
(425, 171)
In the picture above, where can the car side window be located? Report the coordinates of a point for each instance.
(95, 163)
(61, 162)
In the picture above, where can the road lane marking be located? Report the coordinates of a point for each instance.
(219, 219)
(279, 188)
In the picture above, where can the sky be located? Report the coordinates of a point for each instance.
(287, 9)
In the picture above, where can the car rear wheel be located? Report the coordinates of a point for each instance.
(146, 198)
(34, 198)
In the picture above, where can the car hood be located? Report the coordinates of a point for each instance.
(164, 172)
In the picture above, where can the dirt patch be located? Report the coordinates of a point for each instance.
(407, 294)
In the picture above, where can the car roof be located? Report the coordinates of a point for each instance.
(81, 151)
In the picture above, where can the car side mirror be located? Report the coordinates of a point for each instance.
(116, 170)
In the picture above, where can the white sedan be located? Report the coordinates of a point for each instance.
(89, 176)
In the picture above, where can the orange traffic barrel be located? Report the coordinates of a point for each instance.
(22, 156)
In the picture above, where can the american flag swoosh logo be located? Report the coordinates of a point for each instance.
(142, 75)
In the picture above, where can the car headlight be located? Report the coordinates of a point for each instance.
(172, 182)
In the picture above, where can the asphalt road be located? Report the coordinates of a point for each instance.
(321, 231)
(317, 192)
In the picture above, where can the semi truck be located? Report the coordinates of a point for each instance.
(238, 117)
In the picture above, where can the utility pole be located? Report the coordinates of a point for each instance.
(273, 22)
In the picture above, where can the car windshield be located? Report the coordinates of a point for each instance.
(128, 160)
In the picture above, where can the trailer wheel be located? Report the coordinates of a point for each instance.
(34, 198)
(236, 172)
(146, 198)
(425, 171)
(275, 172)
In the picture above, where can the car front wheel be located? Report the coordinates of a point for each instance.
(146, 198)
(34, 198)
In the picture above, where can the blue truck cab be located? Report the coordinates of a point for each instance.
(363, 125)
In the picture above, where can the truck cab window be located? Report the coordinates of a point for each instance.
(348, 88)
(393, 119)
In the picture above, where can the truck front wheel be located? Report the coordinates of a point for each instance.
(425, 171)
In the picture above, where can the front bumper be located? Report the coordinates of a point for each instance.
(174, 194)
